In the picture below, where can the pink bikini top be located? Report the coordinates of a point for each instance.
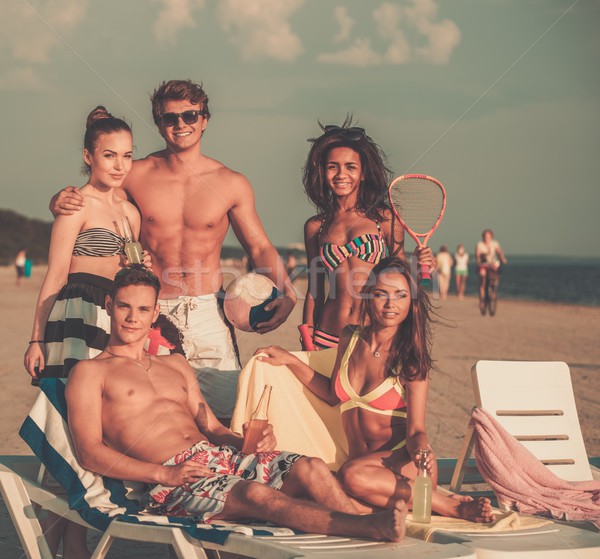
(389, 398)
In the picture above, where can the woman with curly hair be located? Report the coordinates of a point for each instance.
(346, 178)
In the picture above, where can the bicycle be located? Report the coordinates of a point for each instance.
(490, 290)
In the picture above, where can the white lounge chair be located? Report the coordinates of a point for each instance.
(107, 505)
(534, 402)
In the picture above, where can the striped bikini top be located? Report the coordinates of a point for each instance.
(389, 398)
(368, 247)
(98, 241)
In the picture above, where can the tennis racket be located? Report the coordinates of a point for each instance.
(418, 201)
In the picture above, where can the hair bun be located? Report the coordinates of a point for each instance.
(98, 113)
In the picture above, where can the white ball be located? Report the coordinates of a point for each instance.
(245, 299)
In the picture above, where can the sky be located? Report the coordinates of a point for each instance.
(498, 99)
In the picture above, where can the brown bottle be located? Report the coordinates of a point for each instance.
(258, 421)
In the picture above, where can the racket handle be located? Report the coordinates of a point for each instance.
(424, 275)
(306, 337)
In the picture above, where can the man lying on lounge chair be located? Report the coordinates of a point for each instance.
(143, 418)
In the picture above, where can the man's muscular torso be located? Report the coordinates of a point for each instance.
(146, 414)
(184, 219)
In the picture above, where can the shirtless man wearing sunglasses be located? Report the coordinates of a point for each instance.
(187, 201)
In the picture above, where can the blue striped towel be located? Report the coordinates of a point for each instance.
(101, 499)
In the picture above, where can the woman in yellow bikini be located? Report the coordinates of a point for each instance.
(380, 379)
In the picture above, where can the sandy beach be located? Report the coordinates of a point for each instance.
(519, 331)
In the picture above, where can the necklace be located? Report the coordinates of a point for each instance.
(134, 360)
(376, 352)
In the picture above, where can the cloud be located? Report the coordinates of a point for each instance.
(345, 22)
(174, 16)
(23, 79)
(387, 19)
(28, 31)
(403, 29)
(261, 28)
(442, 37)
(358, 54)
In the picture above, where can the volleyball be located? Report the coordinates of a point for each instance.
(246, 298)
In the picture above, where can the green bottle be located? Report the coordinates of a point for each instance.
(422, 490)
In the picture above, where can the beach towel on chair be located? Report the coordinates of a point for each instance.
(302, 422)
(522, 482)
(100, 499)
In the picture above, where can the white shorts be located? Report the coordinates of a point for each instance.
(209, 347)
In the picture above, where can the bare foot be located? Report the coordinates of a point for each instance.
(461, 498)
(475, 510)
(389, 524)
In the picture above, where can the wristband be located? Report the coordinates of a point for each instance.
(306, 337)
(36, 342)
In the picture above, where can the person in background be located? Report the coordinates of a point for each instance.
(346, 178)
(489, 255)
(461, 270)
(444, 271)
(290, 265)
(20, 261)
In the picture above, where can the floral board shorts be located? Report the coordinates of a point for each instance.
(206, 497)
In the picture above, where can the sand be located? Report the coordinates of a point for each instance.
(520, 331)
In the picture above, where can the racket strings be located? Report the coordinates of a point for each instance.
(419, 202)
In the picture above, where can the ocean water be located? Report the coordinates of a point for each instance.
(537, 278)
(533, 278)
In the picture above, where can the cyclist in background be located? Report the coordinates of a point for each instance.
(489, 257)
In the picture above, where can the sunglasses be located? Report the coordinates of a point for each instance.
(188, 117)
(354, 133)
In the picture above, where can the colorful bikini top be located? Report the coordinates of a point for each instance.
(389, 398)
(98, 241)
(368, 247)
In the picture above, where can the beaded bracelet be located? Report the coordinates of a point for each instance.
(36, 342)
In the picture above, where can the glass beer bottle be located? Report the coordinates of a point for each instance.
(133, 249)
(423, 487)
(258, 421)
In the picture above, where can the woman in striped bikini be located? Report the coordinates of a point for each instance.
(380, 379)
(85, 253)
(346, 178)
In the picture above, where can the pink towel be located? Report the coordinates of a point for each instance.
(522, 482)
